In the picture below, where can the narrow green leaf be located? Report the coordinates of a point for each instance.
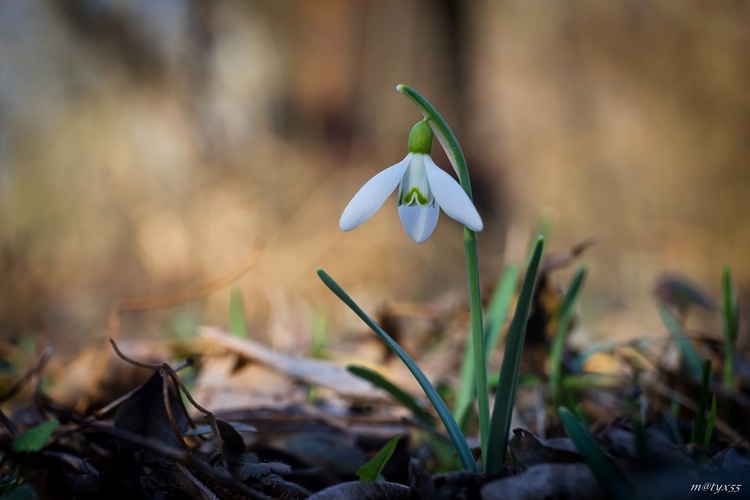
(606, 472)
(371, 470)
(497, 311)
(320, 335)
(33, 439)
(543, 228)
(730, 309)
(237, 324)
(699, 425)
(466, 391)
(508, 379)
(566, 314)
(710, 423)
(459, 441)
(671, 424)
(588, 381)
(689, 354)
(403, 397)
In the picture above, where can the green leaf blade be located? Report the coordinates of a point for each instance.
(457, 437)
(566, 314)
(403, 397)
(34, 438)
(237, 324)
(730, 311)
(508, 378)
(371, 470)
(609, 476)
(689, 354)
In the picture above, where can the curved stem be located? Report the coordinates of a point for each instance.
(450, 144)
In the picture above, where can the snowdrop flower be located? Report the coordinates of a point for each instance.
(423, 189)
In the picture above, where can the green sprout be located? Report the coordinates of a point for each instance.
(730, 310)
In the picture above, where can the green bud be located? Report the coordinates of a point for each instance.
(420, 138)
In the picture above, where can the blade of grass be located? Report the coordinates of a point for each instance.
(459, 441)
(320, 340)
(590, 380)
(370, 470)
(710, 423)
(689, 354)
(730, 310)
(466, 391)
(566, 314)
(508, 378)
(699, 425)
(609, 476)
(237, 324)
(497, 311)
(543, 228)
(499, 306)
(403, 397)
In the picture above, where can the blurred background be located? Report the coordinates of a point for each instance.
(148, 146)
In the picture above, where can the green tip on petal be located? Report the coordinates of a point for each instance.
(420, 139)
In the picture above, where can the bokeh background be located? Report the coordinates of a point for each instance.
(149, 145)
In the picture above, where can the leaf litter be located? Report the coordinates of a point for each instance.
(284, 426)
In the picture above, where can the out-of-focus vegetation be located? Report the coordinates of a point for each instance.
(148, 146)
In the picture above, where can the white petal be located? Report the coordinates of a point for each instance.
(372, 195)
(451, 197)
(418, 221)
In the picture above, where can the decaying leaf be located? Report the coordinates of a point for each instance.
(546, 480)
(309, 371)
(528, 450)
(145, 412)
(363, 490)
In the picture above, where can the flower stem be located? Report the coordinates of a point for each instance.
(450, 144)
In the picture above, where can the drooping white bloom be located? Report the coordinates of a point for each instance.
(423, 189)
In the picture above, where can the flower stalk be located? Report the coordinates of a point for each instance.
(452, 149)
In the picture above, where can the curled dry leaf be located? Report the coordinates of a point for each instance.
(528, 450)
